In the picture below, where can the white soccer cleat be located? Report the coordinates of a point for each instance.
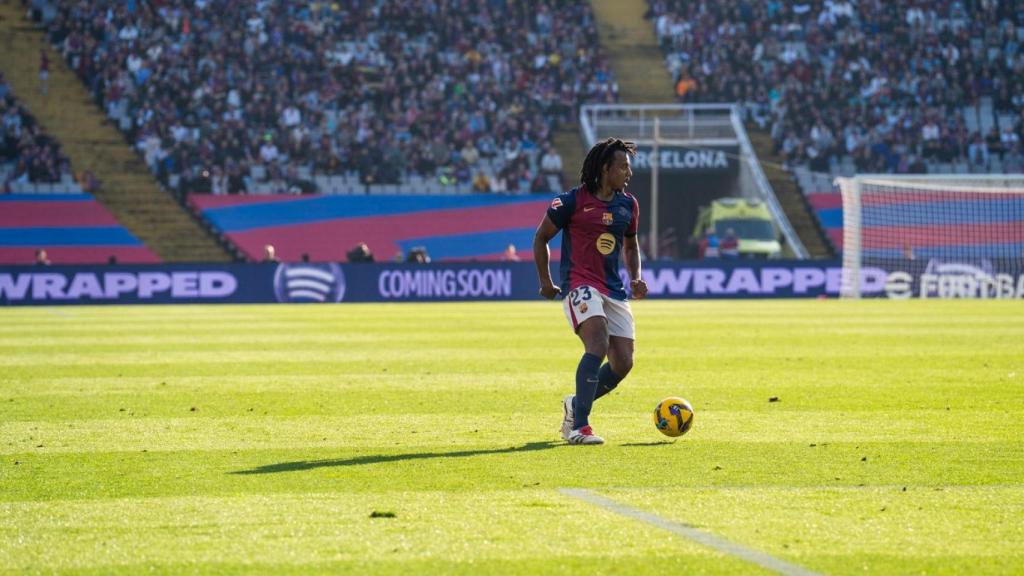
(567, 417)
(584, 435)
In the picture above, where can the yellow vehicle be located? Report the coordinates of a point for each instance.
(748, 219)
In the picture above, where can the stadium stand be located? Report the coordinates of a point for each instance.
(31, 161)
(829, 209)
(59, 101)
(882, 87)
(859, 87)
(72, 228)
(43, 207)
(337, 97)
(458, 227)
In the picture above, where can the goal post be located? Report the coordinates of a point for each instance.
(933, 236)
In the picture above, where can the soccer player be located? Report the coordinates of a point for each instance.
(598, 220)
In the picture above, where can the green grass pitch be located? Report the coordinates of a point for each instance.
(412, 439)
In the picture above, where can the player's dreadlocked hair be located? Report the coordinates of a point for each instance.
(601, 155)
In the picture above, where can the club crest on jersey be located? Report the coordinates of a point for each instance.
(583, 308)
(556, 203)
(607, 218)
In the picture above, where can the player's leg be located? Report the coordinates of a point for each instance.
(584, 310)
(620, 362)
(622, 331)
(593, 332)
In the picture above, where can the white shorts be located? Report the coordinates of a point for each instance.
(586, 302)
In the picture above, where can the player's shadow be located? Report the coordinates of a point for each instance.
(383, 458)
(661, 443)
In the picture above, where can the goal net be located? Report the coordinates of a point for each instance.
(957, 236)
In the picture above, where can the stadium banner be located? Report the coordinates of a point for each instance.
(689, 160)
(968, 278)
(436, 282)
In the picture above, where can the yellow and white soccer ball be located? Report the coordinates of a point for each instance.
(673, 416)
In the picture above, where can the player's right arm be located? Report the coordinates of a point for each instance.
(542, 257)
(555, 219)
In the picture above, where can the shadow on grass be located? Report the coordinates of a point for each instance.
(380, 459)
(661, 443)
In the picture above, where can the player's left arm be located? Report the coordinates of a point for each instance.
(631, 255)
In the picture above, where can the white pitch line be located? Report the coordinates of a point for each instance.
(706, 538)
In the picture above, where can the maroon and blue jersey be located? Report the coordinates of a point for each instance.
(592, 233)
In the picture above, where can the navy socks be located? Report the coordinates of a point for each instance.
(586, 388)
(606, 380)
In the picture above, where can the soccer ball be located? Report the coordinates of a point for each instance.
(673, 416)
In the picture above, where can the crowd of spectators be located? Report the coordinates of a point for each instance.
(893, 86)
(27, 154)
(240, 95)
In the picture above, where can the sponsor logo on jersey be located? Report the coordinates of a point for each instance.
(588, 208)
(606, 243)
(607, 218)
(556, 203)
